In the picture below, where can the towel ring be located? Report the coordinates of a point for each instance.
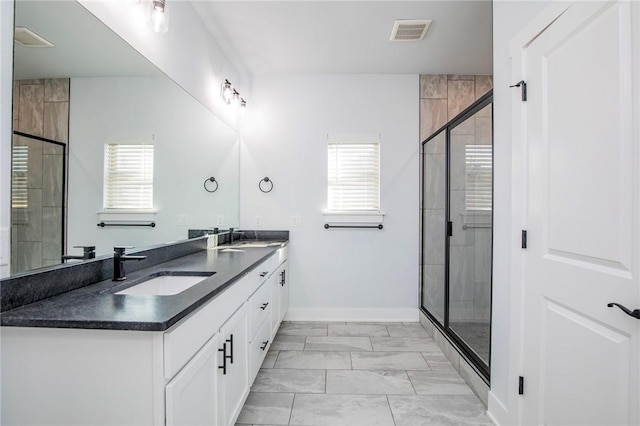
(211, 179)
(265, 180)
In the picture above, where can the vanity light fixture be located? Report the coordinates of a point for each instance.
(231, 95)
(159, 20)
(227, 91)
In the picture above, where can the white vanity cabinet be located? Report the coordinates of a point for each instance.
(192, 396)
(280, 296)
(233, 367)
(197, 372)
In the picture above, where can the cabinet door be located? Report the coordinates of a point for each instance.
(283, 294)
(233, 366)
(191, 397)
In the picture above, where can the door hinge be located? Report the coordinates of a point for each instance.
(449, 229)
(523, 89)
(520, 385)
(524, 238)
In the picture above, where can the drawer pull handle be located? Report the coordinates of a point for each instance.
(264, 274)
(230, 341)
(264, 345)
(224, 359)
(264, 306)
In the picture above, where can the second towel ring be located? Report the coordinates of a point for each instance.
(211, 179)
(266, 180)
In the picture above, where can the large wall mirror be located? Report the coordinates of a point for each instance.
(87, 91)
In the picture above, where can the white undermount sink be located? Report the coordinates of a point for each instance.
(165, 283)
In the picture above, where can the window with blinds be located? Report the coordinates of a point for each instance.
(128, 176)
(354, 176)
(479, 177)
(20, 176)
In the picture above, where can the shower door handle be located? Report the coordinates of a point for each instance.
(635, 313)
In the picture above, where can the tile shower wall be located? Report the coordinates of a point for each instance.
(442, 97)
(40, 108)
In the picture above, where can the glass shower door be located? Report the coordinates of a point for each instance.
(470, 240)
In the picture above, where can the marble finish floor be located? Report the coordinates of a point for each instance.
(331, 374)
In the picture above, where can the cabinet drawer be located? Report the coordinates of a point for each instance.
(184, 339)
(258, 349)
(259, 308)
(260, 273)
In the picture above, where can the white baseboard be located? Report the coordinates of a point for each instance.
(497, 412)
(353, 314)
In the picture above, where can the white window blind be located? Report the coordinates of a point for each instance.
(20, 176)
(479, 177)
(128, 176)
(354, 176)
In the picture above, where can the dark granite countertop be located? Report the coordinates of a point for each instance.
(96, 307)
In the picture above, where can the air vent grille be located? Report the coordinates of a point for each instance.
(409, 30)
(27, 38)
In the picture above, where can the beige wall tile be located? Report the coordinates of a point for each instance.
(31, 109)
(433, 86)
(56, 90)
(461, 77)
(484, 83)
(56, 121)
(433, 115)
(461, 94)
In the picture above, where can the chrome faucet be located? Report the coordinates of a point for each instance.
(119, 257)
(89, 252)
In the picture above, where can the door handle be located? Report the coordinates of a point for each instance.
(230, 341)
(635, 313)
(264, 345)
(264, 306)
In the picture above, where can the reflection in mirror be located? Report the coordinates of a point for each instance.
(93, 89)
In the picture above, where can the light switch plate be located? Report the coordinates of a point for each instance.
(258, 221)
(220, 220)
(183, 220)
(296, 220)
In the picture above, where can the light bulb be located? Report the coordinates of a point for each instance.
(227, 92)
(158, 20)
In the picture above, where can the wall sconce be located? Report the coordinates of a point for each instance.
(158, 16)
(231, 95)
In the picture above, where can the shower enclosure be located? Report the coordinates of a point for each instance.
(456, 206)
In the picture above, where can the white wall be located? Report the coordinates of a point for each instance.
(6, 77)
(336, 274)
(190, 146)
(187, 52)
(509, 17)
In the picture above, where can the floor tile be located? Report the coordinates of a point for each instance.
(333, 343)
(438, 410)
(286, 342)
(267, 408)
(303, 329)
(439, 383)
(369, 382)
(388, 361)
(313, 360)
(396, 344)
(358, 330)
(336, 410)
(437, 361)
(270, 359)
(406, 330)
(289, 380)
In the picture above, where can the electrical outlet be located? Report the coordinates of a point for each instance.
(183, 219)
(258, 221)
(220, 220)
(296, 220)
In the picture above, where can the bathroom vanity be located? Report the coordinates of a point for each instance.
(91, 356)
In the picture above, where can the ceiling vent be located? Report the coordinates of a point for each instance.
(409, 29)
(27, 38)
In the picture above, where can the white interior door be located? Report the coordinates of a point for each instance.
(581, 358)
